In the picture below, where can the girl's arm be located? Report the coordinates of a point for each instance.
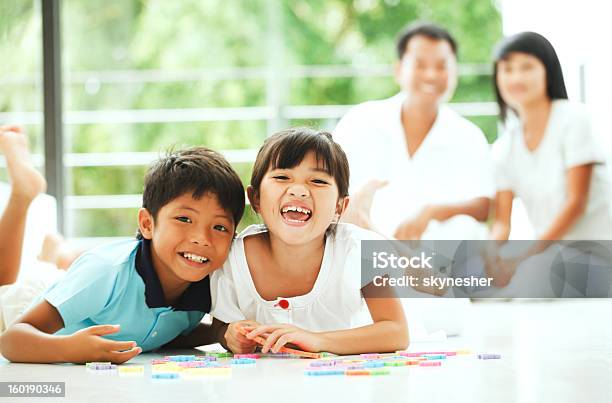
(31, 339)
(388, 333)
(578, 184)
(503, 213)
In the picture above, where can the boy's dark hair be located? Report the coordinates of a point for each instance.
(427, 29)
(535, 45)
(287, 149)
(197, 170)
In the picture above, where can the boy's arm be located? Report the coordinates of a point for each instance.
(200, 336)
(218, 332)
(31, 339)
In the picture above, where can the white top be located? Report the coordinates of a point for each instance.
(539, 178)
(16, 298)
(335, 301)
(451, 165)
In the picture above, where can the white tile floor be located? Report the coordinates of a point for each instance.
(555, 351)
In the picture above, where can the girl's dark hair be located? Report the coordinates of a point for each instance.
(196, 170)
(287, 149)
(535, 45)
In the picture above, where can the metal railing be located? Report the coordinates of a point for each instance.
(267, 113)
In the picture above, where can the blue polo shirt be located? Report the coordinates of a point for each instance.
(117, 284)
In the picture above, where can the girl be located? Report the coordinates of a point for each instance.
(298, 275)
(22, 208)
(548, 155)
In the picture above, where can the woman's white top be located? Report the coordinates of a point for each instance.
(539, 177)
(335, 301)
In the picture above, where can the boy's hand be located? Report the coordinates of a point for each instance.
(86, 345)
(279, 335)
(236, 341)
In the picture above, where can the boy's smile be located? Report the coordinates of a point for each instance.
(189, 239)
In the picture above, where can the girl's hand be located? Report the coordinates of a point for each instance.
(87, 345)
(236, 341)
(279, 335)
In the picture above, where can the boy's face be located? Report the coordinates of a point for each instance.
(189, 238)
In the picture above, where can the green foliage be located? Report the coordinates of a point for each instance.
(105, 45)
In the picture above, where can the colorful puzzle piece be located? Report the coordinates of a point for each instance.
(489, 356)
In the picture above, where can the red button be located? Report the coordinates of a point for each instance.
(283, 303)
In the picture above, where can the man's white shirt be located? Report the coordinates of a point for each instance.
(451, 165)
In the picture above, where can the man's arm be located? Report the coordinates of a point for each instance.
(413, 228)
(478, 208)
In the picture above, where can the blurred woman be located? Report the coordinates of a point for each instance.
(548, 155)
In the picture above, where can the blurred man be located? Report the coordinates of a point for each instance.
(418, 169)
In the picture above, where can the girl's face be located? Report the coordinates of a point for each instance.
(298, 204)
(521, 79)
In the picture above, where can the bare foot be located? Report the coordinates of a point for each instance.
(56, 251)
(26, 181)
(50, 248)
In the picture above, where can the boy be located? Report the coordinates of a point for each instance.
(141, 294)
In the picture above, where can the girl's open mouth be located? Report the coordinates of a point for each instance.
(296, 214)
